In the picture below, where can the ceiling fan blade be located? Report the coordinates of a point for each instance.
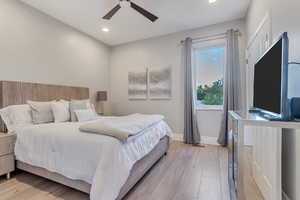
(112, 12)
(144, 12)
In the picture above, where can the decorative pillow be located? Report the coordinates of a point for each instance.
(41, 112)
(16, 116)
(61, 111)
(78, 105)
(86, 115)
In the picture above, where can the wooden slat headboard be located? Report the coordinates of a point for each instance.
(16, 93)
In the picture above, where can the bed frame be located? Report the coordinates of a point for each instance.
(16, 93)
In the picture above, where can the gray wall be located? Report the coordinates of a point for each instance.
(285, 16)
(37, 48)
(159, 52)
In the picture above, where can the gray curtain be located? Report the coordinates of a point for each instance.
(232, 83)
(191, 132)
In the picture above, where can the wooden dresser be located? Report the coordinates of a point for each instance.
(7, 161)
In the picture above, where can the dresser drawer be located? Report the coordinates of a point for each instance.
(7, 145)
(7, 164)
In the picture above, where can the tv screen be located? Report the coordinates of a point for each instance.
(268, 79)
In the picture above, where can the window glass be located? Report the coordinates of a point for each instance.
(208, 64)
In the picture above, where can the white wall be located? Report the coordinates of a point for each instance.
(37, 48)
(209, 123)
(256, 12)
(285, 16)
(156, 52)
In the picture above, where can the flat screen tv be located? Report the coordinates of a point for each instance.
(270, 81)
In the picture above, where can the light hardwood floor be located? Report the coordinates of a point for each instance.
(186, 173)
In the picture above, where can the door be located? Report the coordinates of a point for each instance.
(266, 141)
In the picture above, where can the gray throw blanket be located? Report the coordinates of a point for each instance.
(122, 127)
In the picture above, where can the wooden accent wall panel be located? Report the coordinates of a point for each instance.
(16, 93)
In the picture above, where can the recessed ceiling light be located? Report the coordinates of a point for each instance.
(212, 1)
(105, 29)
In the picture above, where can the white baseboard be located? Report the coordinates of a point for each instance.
(285, 196)
(178, 137)
(209, 140)
(204, 139)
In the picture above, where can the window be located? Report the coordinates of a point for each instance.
(208, 65)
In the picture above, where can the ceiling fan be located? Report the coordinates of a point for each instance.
(139, 9)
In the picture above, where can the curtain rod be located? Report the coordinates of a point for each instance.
(211, 37)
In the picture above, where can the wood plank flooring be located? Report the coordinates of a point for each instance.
(186, 173)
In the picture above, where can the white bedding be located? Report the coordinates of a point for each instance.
(123, 127)
(100, 160)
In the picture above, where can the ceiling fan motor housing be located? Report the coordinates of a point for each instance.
(128, 3)
(125, 3)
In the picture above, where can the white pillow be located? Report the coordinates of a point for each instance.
(79, 105)
(41, 112)
(16, 116)
(61, 111)
(86, 115)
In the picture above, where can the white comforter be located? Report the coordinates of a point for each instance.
(100, 160)
(122, 128)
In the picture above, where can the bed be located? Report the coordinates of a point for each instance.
(15, 93)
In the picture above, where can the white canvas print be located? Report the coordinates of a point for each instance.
(137, 84)
(160, 83)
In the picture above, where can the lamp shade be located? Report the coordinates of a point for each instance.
(102, 96)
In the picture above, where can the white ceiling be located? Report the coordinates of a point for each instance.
(128, 25)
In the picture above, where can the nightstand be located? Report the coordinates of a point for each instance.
(7, 160)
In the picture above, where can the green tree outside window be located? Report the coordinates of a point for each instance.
(211, 95)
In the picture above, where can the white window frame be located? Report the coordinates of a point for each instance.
(209, 45)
